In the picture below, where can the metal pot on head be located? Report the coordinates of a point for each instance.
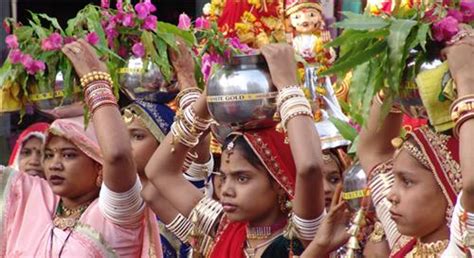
(241, 93)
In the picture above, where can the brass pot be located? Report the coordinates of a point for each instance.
(241, 94)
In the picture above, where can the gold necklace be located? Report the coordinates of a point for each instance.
(429, 250)
(67, 218)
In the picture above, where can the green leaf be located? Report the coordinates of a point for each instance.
(345, 129)
(94, 24)
(24, 33)
(353, 148)
(53, 22)
(354, 36)
(168, 38)
(40, 31)
(5, 71)
(163, 60)
(106, 51)
(359, 80)
(187, 36)
(362, 22)
(399, 31)
(422, 34)
(356, 59)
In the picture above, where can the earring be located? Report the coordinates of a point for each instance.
(285, 204)
(99, 179)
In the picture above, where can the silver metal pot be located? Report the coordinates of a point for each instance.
(49, 99)
(354, 186)
(410, 100)
(139, 77)
(241, 93)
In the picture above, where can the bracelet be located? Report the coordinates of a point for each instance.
(307, 229)
(206, 215)
(181, 227)
(466, 116)
(95, 76)
(461, 105)
(378, 234)
(187, 96)
(200, 171)
(194, 121)
(96, 85)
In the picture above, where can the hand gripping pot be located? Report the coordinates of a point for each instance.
(241, 94)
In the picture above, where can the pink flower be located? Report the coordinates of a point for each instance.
(119, 5)
(456, 14)
(202, 23)
(244, 48)
(142, 10)
(445, 29)
(92, 38)
(12, 41)
(138, 50)
(105, 4)
(207, 62)
(118, 18)
(386, 7)
(53, 42)
(467, 9)
(128, 20)
(150, 22)
(32, 66)
(184, 22)
(150, 6)
(15, 56)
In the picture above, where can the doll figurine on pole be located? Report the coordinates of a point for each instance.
(306, 31)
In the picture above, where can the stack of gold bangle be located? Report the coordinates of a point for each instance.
(95, 76)
(462, 110)
(98, 90)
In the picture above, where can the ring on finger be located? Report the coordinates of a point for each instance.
(76, 50)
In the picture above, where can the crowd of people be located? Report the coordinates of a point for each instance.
(142, 181)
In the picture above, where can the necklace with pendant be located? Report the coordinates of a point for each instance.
(66, 219)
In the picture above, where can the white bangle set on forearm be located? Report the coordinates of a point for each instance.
(307, 229)
(187, 97)
(291, 103)
(200, 171)
(188, 160)
(188, 128)
(181, 227)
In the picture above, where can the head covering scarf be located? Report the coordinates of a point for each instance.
(73, 130)
(441, 153)
(37, 130)
(269, 146)
(155, 115)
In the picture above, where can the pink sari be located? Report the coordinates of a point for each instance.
(28, 205)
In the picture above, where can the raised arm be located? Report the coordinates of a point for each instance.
(119, 172)
(461, 60)
(302, 135)
(164, 169)
(374, 145)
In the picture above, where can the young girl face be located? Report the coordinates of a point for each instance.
(247, 192)
(418, 204)
(143, 143)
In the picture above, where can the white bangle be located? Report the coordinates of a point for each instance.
(307, 229)
(180, 227)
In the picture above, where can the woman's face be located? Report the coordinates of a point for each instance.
(30, 157)
(332, 177)
(418, 204)
(247, 192)
(69, 172)
(144, 144)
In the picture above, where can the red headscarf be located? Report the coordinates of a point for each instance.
(270, 147)
(442, 153)
(37, 130)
